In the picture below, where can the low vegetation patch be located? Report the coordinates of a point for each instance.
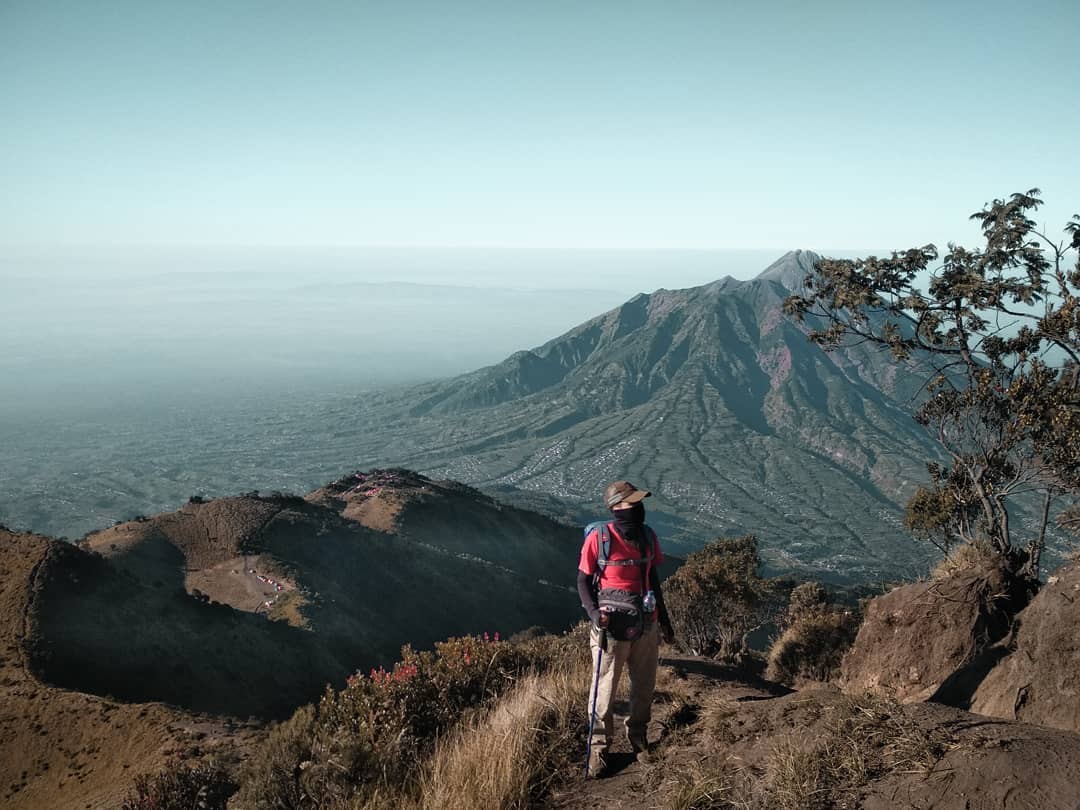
(855, 742)
(864, 739)
(509, 757)
(815, 636)
(371, 743)
(697, 789)
(964, 557)
(180, 786)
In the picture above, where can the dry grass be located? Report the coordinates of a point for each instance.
(668, 681)
(965, 557)
(799, 777)
(703, 786)
(679, 695)
(813, 647)
(507, 757)
(718, 712)
(905, 745)
(863, 739)
(709, 790)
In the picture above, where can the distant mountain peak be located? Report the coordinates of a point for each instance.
(791, 269)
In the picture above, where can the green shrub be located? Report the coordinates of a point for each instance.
(717, 599)
(806, 599)
(272, 778)
(203, 786)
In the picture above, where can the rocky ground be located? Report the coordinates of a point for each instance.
(725, 739)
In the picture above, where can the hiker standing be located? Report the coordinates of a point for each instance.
(620, 591)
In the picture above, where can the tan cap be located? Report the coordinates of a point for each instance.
(623, 492)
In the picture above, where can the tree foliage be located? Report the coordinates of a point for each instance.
(997, 331)
(716, 599)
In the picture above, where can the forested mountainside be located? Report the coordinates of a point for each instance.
(710, 397)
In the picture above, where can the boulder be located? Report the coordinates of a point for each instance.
(931, 640)
(1039, 681)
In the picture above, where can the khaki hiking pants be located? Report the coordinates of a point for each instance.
(640, 658)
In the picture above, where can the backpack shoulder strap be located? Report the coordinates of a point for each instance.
(644, 555)
(603, 547)
(652, 540)
(646, 563)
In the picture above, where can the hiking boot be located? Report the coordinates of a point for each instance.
(597, 763)
(640, 745)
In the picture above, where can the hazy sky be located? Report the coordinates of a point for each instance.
(674, 124)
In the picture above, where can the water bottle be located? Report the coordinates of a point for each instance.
(649, 602)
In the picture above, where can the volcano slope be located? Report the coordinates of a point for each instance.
(709, 396)
(176, 607)
(64, 748)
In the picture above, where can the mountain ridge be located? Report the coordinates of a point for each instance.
(710, 396)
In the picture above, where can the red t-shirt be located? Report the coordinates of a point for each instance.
(623, 577)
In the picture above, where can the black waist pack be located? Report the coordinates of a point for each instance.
(626, 615)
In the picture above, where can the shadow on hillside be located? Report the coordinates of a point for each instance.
(960, 687)
(99, 629)
(749, 674)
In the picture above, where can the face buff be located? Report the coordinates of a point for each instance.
(630, 523)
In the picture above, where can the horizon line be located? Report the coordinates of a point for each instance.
(400, 246)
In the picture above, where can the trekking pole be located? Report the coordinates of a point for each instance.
(595, 691)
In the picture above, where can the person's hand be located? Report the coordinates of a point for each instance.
(667, 632)
(602, 620)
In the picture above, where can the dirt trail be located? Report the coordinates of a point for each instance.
(37, 555)
(684, 685)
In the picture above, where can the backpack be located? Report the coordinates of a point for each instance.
(625, 610)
